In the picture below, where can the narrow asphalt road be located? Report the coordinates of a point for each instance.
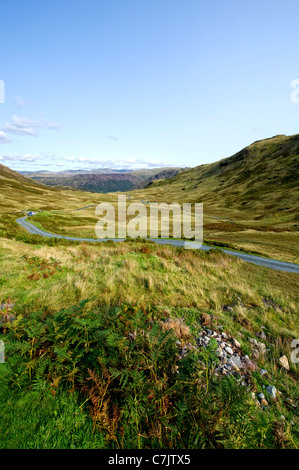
(260, 261)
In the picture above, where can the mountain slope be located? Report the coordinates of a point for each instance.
(162, 175)
(261, 182)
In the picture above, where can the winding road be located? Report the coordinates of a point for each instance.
(259, 260)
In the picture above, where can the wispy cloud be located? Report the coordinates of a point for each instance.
(20, 102)
(27, 157)
(4, 139)
(113, 137)
(128, 163)
(38, 162)
(25, 126)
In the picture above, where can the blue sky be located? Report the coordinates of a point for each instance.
(141, 83)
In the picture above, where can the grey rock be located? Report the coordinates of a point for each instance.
(229, 350)
(236, 362)
(271, 390)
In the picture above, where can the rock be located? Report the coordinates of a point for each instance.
(255, 354)
(219, 352)
(264, 402)
(263, 372)
(271, 390)
(236, 362)
(262, 348)
(131, 337)
(261, 396)
(284, 363)
(229, 350)
(228, 308)
(249, 364)
(263, 336)
(236, 343)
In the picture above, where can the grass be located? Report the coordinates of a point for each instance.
(91, 331)
(132, 287)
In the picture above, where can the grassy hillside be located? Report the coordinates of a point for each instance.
(128, 368)
(259, 184)
(130, 345)
(251, 200)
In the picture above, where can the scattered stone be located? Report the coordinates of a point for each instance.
(264, 403)
(253, 341)
(283, 361)
(271, 391)
(236, 343)
(249, 364)
(263, 372)
(255, 354)
(262, 348)
(261, 396)
(228, 308)
(229, 350)
(131, 337)
(236, 362)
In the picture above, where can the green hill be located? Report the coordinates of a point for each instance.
(259, 183)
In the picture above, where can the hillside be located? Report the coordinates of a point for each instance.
(19, 193)
(6, 172)
(259, 183)
(162, 175)
(16, 188)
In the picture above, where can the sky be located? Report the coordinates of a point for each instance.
(144, 83)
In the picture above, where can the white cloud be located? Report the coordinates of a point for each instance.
(25, 126)
(126, 164)
(27, 157)
(4, 138)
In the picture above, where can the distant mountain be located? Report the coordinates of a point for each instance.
(100, 181)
